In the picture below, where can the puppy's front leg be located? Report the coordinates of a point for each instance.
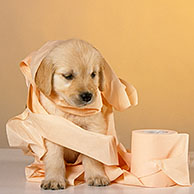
(94, 172)
(54, 167)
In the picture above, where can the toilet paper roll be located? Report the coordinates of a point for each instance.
(160, 157)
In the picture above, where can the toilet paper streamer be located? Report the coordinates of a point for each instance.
(158, 158)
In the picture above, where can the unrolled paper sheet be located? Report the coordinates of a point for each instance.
(157, 160)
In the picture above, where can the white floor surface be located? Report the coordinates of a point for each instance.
(12, 180)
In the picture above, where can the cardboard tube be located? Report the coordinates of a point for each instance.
(154, 153)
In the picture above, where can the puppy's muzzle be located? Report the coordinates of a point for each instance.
(86, 97)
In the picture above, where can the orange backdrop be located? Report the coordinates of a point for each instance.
(147, 42)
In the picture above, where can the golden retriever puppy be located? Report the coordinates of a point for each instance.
(72, 73)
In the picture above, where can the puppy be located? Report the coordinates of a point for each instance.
(72, 73)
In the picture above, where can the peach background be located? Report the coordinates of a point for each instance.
(147, 42)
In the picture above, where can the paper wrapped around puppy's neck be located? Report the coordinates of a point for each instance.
(29, 129)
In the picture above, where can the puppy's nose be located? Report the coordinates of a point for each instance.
(86, 96)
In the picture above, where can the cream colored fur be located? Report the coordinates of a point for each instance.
(82, 61)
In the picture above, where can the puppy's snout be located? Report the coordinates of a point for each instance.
(86, 96)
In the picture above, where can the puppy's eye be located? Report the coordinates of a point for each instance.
(93, 74)
(68, 77)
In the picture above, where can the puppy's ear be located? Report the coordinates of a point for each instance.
(102, 77)
(44, 76)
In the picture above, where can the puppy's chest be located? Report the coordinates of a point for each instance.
(51, 109)
(95, 123)
(78, 120)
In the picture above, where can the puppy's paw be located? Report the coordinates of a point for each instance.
(53, 184)
(98, 181)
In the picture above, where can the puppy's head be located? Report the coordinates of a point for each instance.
(72, 71)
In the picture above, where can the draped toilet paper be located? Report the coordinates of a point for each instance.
(158, 158)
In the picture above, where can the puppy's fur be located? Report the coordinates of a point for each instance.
(71, 73)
